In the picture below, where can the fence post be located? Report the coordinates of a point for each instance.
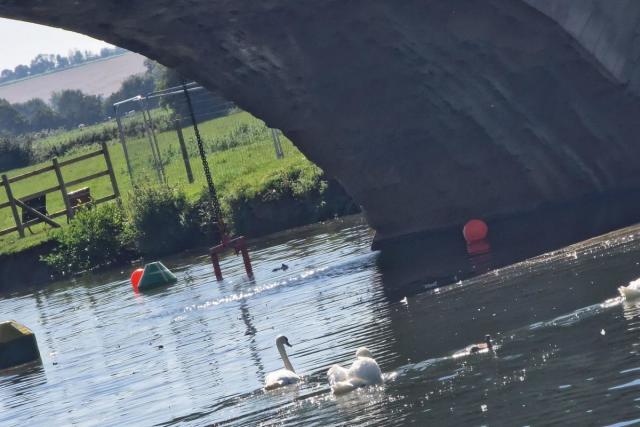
(147, 132)
(123, 141)
(112, 175)
(63, 188)
(185, 153)
(148, 122)
(14, 209)
(276, 144)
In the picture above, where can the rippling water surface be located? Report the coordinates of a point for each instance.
(197, 353)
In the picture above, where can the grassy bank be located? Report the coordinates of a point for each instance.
(245, 170)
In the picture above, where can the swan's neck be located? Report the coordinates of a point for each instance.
(285, 358)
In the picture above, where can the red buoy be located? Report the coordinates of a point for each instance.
(475, 230)
(135, 277)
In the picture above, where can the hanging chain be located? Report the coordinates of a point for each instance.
(215, 203)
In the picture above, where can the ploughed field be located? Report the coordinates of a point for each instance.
(101, 77)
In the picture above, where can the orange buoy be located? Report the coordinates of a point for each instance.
(135, 278)
(475, 230)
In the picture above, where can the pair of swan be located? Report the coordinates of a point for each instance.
(363, 372)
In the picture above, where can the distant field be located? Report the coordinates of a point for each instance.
(96, 78)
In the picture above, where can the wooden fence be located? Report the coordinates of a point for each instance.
(37, 214)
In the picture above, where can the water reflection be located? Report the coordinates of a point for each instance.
(410, 266)
(251, 332)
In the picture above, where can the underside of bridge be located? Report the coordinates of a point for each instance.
(428, 112)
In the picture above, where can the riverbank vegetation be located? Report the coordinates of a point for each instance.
(160, 220)
(259, 194)
(94, 238)
(159, 212)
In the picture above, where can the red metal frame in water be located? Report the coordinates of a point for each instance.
(239, 245)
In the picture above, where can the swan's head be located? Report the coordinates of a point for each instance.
(282, 340)
(364, 352)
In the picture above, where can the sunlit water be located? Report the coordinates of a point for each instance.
(197, 352)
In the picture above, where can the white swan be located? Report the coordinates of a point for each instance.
(285, 376)
(363, 372)
(632, 291)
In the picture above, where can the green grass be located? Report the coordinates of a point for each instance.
(242, 168)
(13, 244)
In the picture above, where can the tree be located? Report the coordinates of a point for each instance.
(75, 107)
(139, 84)
(76, 57)
(21, 71)
(38, 114)
(62, 61)
(45, 119)
(207, 105)
(11, 121)
(29, 108)
(6, 75)
(154, 69)
(41, 64)
(105, 52)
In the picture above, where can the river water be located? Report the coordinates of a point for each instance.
(197, 353)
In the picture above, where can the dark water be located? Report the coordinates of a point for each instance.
(197, 353)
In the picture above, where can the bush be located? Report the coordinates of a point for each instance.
(14, 154)
(286, 198)
(62, 142)
(162, 220)
(96, 237)
(241, 135)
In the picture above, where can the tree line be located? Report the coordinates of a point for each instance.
(71, 108)
(67, 109)
(23, 125)
(44, 63)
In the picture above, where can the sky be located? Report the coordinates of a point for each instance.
(20, 42)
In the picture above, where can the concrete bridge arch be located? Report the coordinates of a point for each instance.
(428, 112)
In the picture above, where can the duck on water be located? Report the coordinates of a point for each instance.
(479, 348)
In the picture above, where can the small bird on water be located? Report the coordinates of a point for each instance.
(479, 348)
(283, 267)
(487, 345)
